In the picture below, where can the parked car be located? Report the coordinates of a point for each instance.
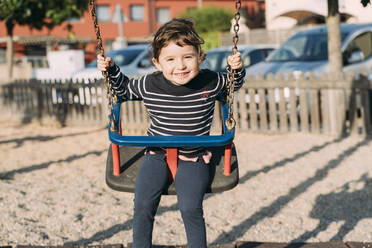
(216, 59)
(134, 60)
(307, 52)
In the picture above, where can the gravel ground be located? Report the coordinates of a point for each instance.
(293, 187)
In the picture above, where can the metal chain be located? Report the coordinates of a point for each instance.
(230, 122)
(111, 96)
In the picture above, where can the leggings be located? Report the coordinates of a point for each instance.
(191, 182)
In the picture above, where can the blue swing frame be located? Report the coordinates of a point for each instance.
(225, 138)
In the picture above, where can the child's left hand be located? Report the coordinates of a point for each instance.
(235, 61)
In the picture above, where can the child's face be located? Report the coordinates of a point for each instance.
(179, 64)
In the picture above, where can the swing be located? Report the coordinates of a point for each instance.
(125, 153)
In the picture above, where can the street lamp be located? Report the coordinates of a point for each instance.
(119, 18)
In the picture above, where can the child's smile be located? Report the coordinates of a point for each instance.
(179, 64)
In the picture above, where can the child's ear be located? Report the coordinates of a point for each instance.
(201, 57)
(156, 63)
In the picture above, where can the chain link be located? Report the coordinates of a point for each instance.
(111, 96)
(230, 122)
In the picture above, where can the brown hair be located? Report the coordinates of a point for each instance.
(182, 32)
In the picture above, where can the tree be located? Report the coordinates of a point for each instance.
(365, 2)
(334, 39)
(209, 21)
(36, 14)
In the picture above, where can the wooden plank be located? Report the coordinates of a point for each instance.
(358, 244)
(341, 111)
(235, 112)
(262, 108)
(130, 124)
(273, 119)
(324, 111)
(282, 111)
(352, 107)
(331, 244)
(304, 113)
(314, 111)
(243, 110)
(253, 117)
(366, 114)
(72, 246)
(293, 116)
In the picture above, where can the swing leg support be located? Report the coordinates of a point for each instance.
(227, 160)
(116, 159)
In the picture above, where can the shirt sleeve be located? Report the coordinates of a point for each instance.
(239, 76)
(124, 87)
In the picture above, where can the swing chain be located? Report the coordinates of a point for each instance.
(111, 96)
(230, 122)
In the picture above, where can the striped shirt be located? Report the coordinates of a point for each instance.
(176, 110)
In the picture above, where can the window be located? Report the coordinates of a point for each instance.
(136, 13)
(103, 13)
(162, 15)
(73, 20)
(358, 49)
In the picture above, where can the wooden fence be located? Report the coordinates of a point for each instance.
(312, 105)
(63, 102)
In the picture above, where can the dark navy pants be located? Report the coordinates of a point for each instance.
(192, 181)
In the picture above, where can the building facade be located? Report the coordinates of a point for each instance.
(284, 14)
(132, 20)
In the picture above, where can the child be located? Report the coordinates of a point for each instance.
(180, 101)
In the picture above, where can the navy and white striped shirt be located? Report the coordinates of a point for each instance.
(176, 110)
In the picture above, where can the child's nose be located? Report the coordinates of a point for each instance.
(181, 64)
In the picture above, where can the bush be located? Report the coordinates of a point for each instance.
(209, 19)
(209, 22)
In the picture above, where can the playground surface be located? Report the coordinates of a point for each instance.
(295, 190)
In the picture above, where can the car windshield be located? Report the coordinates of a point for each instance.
(121, 58)
(216, 60)
(305, 47)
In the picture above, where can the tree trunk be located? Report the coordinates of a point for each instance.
(335, 63)
(9, 56)
(9, 49)
(334, 40)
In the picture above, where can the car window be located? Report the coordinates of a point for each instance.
(362, 43)
(223, 64)
(253, 57)
(304, 47)
(291, 50)
(146, 60)
(211, 60)
(121, 57)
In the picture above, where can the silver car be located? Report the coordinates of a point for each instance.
(307, 52)
(134, 60)
(216, 59)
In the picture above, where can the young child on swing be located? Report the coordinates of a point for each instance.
(180, 100)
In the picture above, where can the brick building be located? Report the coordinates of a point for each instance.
(141, 19)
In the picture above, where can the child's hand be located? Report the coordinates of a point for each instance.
(103, 63)
(235, 61)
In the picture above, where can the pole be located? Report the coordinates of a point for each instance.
(200, 3)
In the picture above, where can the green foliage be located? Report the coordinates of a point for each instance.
(211, 40)
(40, 13)
(209, 19)
(365, 2)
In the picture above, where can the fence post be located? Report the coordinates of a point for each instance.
(105, 111)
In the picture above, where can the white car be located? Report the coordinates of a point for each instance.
(307, 52)
(134, 61)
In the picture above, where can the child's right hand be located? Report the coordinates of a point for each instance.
(103, 63)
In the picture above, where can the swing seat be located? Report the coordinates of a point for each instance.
(131, 158)
(126, 153)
